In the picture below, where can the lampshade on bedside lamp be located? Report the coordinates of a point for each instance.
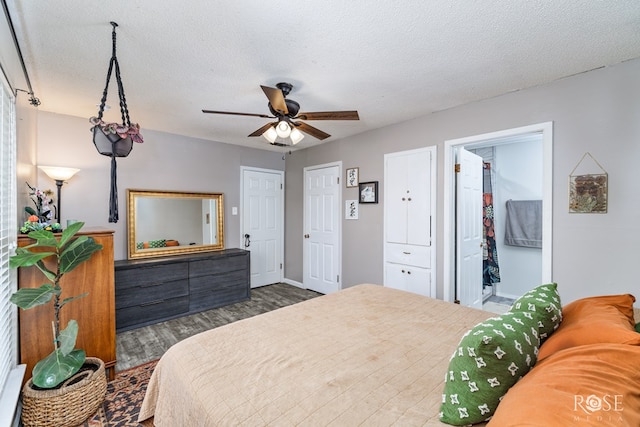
(59, 175)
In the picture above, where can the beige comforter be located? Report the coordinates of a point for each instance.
(367, 355)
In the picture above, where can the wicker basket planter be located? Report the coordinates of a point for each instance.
(71, 404)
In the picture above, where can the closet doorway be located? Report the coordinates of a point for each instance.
(519, 269)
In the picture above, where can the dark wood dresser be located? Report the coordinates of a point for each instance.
(156, 289)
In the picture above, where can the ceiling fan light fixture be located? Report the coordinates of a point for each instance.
(270, 135)
(283, 129)
(296, 136)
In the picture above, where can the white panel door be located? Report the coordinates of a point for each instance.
(469, 229)
(321, 247)
(262, 220)
(408, 198)
(419, 198)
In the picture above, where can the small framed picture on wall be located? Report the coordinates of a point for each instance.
(351, 209)
(368, 192)
(352, 177)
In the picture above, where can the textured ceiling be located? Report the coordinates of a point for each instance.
(390, 60)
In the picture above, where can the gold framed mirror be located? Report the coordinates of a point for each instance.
(162, 223)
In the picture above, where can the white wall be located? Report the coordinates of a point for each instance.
(518, 169)
(597, 111)
(163, 162)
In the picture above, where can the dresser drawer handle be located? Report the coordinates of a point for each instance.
(150, 285)
(152, 303)
(406, 253)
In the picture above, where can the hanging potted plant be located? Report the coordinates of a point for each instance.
(114, 139)
(66, 386)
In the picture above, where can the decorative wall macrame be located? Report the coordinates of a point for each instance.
(114, 139)
(588, 192)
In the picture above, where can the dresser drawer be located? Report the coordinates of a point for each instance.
(419, 256)
(218, 297)
(153, 274)
(143, 294)
(147, 313)
(217, 281)
(210, 266)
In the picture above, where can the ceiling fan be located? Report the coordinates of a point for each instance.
(286, 111)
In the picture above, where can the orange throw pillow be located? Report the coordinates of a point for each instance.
(603, 319)
(590, 385)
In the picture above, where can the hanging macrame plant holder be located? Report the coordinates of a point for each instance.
(114, 139)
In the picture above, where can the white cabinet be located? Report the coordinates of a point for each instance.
(409, 204)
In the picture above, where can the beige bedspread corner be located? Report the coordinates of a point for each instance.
(367, 354)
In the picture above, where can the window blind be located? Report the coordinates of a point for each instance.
(8, 235)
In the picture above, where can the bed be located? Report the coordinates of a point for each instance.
(367, 355)
(364, 353)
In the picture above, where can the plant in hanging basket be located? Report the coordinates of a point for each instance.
(114, 139)
(67, 252)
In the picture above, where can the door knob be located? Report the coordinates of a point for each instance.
(306, 236)
(247, 242)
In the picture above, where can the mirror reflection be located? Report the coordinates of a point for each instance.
(165, 223)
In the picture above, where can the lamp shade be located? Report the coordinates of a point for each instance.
(283, 129)
(296, 136)
(270, 135)
(58, 173)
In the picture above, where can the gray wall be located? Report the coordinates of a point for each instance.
(597, 111)
(163, 162)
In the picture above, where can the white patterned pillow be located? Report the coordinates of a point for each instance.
(489, 359)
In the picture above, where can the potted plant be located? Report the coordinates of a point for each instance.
(53, 373)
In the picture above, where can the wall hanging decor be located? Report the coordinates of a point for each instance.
(368, 192)
(588, 192)
(114, 139)
(352, 177)
(350, 209)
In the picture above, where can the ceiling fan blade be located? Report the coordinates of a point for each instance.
(314, 132)
(330, 115)
(276, 99)
(260, 131)
(238, 114)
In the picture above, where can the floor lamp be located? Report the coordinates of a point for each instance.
(59, 175)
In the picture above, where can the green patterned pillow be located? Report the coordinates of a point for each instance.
(542, 302)
(139, 245)
(637, 327)
(490, 359)
(161, 243)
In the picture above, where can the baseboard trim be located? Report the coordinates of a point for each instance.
(293, 283)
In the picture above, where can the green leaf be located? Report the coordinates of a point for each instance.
(68, 300)
(69, 232)
(43, 238)
(77, 253)
(67, 337)
(26, 298)
(55, 368)
(30, 211)
(24, 258)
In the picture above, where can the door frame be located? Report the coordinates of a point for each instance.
(338, 213)
(281, 236)
(491, 138)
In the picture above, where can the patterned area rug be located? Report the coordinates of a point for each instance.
(124, 397)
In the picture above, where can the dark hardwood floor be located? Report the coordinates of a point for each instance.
(148, 343)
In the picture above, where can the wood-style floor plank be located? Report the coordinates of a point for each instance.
(148, 343)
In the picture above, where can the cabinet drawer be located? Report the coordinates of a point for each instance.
(142, 294)
(153, 274)
(149, 312)
(205, 267)
(408, 278)
(218, 297)
(419, 256)
(218, 281)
